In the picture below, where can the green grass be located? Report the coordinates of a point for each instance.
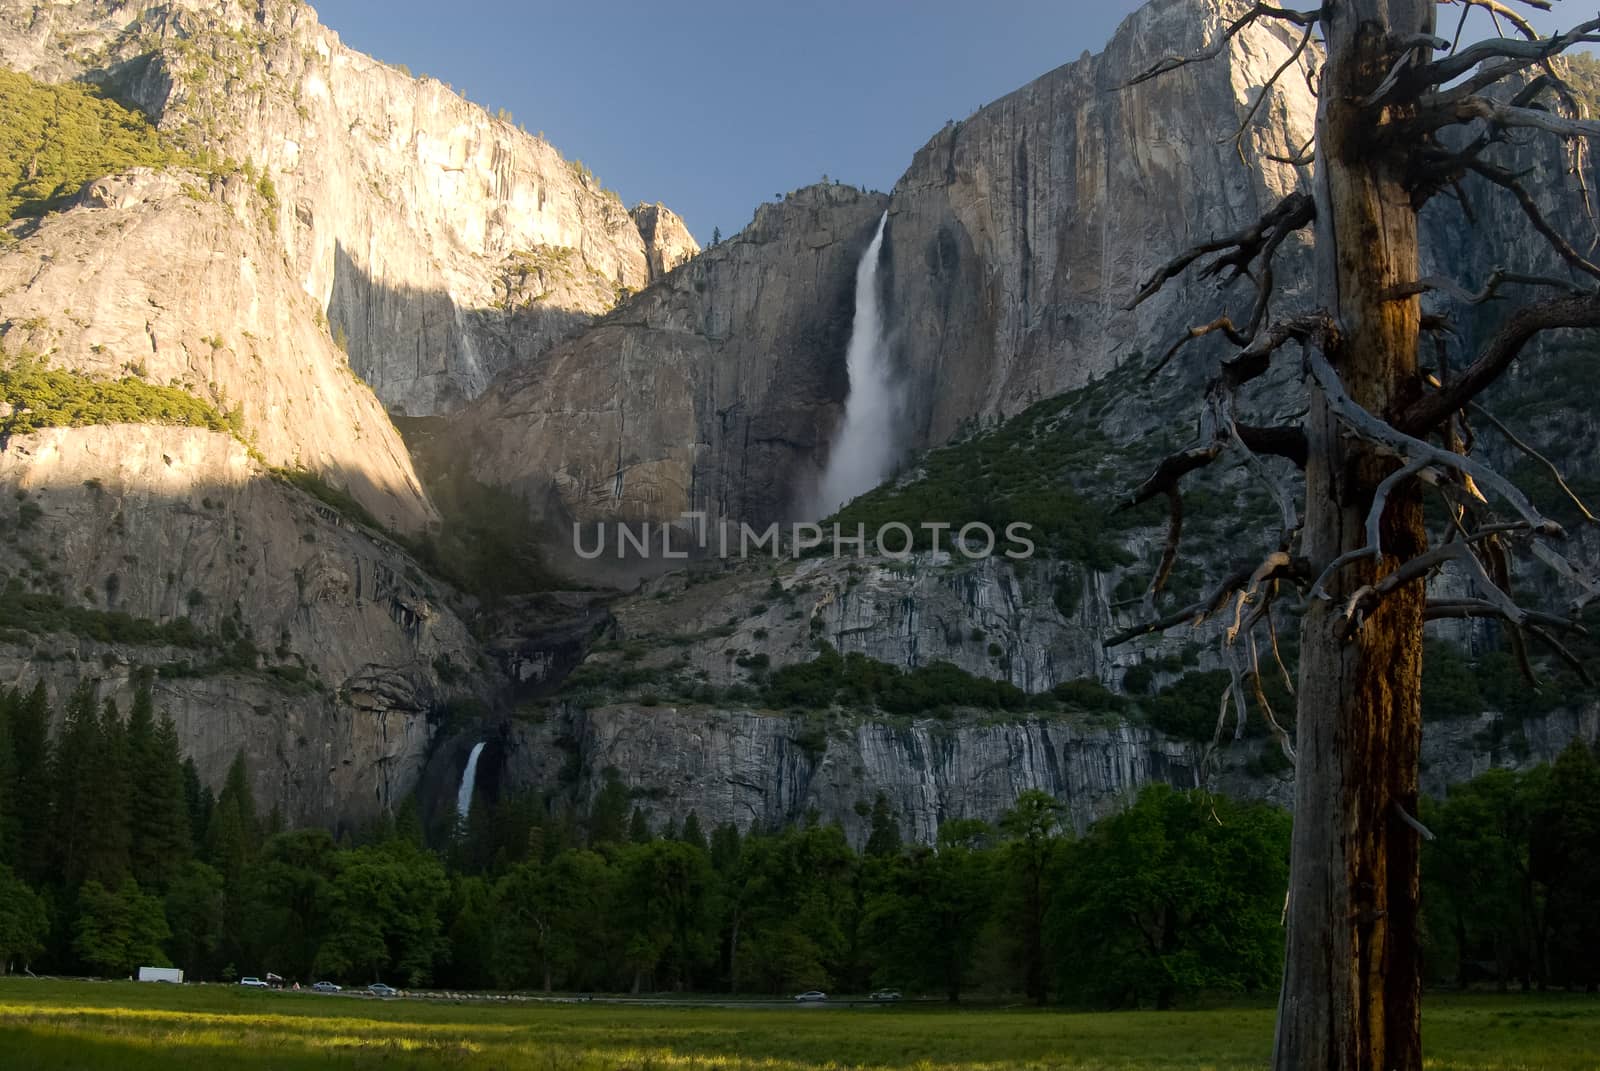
(128, 1026)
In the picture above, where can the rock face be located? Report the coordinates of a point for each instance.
(762, 770)
(444, 243)
(322, 642)
(177, 279)
(667, 240)
(714, 390)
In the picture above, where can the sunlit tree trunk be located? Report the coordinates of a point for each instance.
(1352, 979)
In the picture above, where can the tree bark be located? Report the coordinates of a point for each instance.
(1352, 978)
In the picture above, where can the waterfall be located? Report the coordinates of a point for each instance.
(469, 780)
(863, 452)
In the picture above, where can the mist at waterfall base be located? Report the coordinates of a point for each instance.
(469, 781)
(863, 452)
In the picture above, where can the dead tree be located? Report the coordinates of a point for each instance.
(1404, 116)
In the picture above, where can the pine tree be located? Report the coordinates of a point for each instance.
(232, 834)
(31, 789)
(70, 771)
(692, 833)
(108, 797)
(199, 801)
(639, 828)
(160, 836)
(8, 810)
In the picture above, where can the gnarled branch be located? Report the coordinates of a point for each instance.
(1432, 410)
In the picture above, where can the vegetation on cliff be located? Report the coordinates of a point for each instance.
(37, 396)
(55, 138)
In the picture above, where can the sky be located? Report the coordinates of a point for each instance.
(713, 106)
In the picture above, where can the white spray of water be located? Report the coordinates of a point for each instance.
(863, 453)
(469, 780)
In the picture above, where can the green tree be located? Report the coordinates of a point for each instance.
(1564, 857)
(385, 915)
(1484, 902)
(32, 787)
(924, 911)
(24, 922)
(195, 905)
(639, 828)
(287, 894)
(9, 826)
(692, 834)
(664, 901)
(608, 818)
(547, 916)
(1031, 829)
(1177, 895)
(160, 834)
(232, 832)
(118, 931)
(91, 792)
(884, 838)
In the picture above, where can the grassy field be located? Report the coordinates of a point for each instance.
(59, 1025)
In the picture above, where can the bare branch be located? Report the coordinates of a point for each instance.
(1495, 113)
(1432, 410)
(1504, 179)
(1395, 441)
(1405, 819)
(1255, 105)
(1169, 552)
(1519, 55)
(1491, 288)
(1295, 211)
(1374, 544)
(1535, 455)
(1459, 609)
(1216, 48)
(1277, 565)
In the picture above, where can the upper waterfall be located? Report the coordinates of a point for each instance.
(863, 452)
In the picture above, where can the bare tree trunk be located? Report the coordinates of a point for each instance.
(1352, 978)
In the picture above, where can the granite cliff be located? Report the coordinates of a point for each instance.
(338, 243)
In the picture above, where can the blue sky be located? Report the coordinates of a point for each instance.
(713, 106)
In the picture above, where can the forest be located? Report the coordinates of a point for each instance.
(114, 854)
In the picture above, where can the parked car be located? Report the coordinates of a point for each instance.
(811, 996)
(253, 982)
(325, 987)
(886, 996)
(378, 989)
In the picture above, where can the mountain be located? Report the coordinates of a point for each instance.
(242, 259)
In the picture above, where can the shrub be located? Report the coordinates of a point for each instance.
(56, 138)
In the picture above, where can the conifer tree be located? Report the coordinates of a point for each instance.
(199, 801)
(639, 828)
(692, 834)
(232, 833)
(160, 839)
(8, 818)
(31, 786)
(107, 799)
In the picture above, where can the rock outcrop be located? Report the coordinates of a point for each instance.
(412, 216)
(313, 644)
(714, 390)
(667, 241)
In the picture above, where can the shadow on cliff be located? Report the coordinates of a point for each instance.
(416, 345)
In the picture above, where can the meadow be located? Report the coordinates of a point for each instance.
(124, 1025)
